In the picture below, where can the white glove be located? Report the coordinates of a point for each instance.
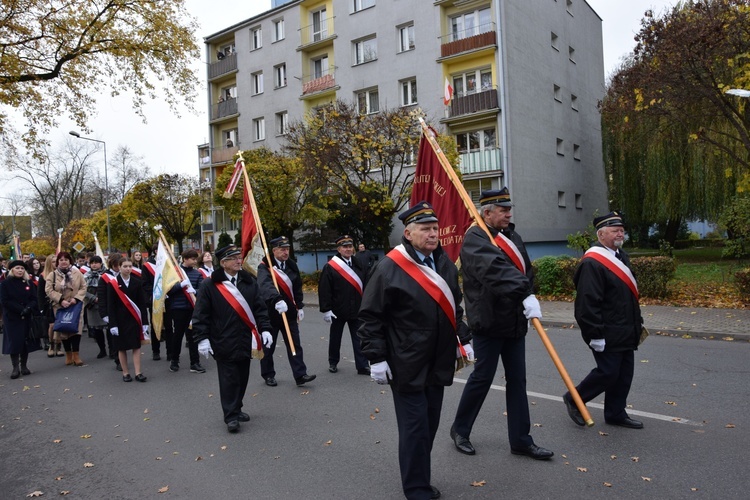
(380, 372)
(190, 289)
(281, 307)
(469, 352)
(267, 339)
(300, 315)
(146, 336)
(185, 283)
(328, 316)
(114, 331)
(597, 344)
(531, 307)
(106, 319)
(204, 348)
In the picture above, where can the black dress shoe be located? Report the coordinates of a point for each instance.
(364, 371)
(462, 443)
(626, 422)
(573, 412)
(435, 492)
(141, 377)
(243, 417)
(127, 378)
(101, 355)
(332, 368)
(533, 451)
(271, 381)
(156, 356)
(233, 426)
(305, 379)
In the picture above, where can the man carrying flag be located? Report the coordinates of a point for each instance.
(165, 277)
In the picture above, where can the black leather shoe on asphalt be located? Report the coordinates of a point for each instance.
(626, 422)
(365, 371)
(462, 443)
(305, 379)
(197, 368)
(233, 426)
(435, 493)
(271, 381)
(173, 367)
(533, 451)
(156, 356)
(243, 417)
(332, 368)
(573, 412)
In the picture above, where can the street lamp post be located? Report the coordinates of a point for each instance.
(106, 185)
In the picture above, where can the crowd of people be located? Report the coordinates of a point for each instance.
(404, 315)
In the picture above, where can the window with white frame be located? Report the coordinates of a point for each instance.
(278, 30)
(282, 123)
(365, 50)
(409, 92)
(229, 138)
(319, 67)
(279, 76)
(229, 92)
(319, 25)
(473, 81)
(256, 38)
(476, 140)
(257, 79)
(367, 101)
(358, 5)
(406, 37)
(259, 129)
(471, 23)
(475, 187)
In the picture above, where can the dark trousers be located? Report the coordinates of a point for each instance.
(155, 342)
(488, 351)
(98, 334)
(334, 345)
(612, 376)
(167, 332)
(180, 322)
(418, 418)
(233, 376)
(296, 362)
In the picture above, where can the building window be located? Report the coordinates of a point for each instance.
(406, 38)
(256, 38)
(409, 92)
(574, 102)
(560, 149)
(257, 79)
(362, 4)
(319, 25)
(475, 187)
(577, 152)
(227, 93)
(476, 140)
(319, 67)
(229, 138)
(365, 50)
(561, 198)
(259, 129)
(367, 101)
(553, 37)
(569, 6)
(471, 82)
(579, 201)
(278, 30)
(558, 93)
(282, 123)
(471, 23)
(572, 54)
(279, 76)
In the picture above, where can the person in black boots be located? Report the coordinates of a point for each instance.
(113, 269)
(180, 304)
(18, 298)
(95, 321)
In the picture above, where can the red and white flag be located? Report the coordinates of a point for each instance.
(252, 245)
(229, 191)
(448, 95)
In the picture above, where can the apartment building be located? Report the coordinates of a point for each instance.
(527, 76)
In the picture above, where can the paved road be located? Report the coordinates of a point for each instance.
(336, 439)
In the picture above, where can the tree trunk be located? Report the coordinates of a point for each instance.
(673, 227)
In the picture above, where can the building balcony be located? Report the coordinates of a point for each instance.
(317, 84)
(222, 66)
(468, 40)
(223, 109)
(475, 103)
(477, 162)
(224, 155)
(314, 35)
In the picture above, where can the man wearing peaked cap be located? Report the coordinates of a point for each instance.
(607, 311)
(498, 283)
(340, 294)
(280, 242)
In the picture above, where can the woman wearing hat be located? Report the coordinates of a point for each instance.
(65, 287)
(18, 297)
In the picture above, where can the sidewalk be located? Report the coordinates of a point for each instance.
(693, 321)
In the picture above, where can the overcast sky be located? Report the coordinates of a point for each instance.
(168, 143)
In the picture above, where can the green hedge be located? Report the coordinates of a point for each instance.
(653, 275)
(554, 275)
(742, 280)
(707, 242)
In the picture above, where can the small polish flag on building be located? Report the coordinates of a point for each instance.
(448, 96)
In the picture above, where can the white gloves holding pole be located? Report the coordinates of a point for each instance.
(381, 372)
(531, 307)
(204, 348)
(328, 316)
(281, 307)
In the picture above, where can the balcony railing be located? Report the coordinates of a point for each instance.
(315, 33)
(319, 83)
(227, 107)
(223, 155)
(481, 161)
(473, 103)
(466, 40)
(223, 66)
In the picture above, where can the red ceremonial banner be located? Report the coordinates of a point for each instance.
(432, 184)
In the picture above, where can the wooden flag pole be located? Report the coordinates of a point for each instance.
(534, 321)
(172, 259)
(59, 240)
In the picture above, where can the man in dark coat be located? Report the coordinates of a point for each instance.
(228, 315)
(287, 300)
(340, 294)
(607, 311)
(498, 282)
(18, 299)
(365, 257)
(410, 320)
(180, 306)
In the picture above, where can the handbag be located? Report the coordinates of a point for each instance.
(39, 325)
(68, 318)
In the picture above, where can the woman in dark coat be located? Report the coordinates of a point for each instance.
(128, 319)
(18, 297)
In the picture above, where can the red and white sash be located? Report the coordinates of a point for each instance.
(130, 306)
(285, 284)
(605, 257)
(150, 268)
(346, 272)
(511, 250)
(84, 269)
(232, 295)
(136, 271)
(35, 280)
(205, 272)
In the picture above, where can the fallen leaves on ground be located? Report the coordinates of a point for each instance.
(163, 489)
(730, 426)
(634, 459)
(86, 436)
(602, 433)
(608, 485)
(478, 484)
(647, 479)
(582, 469)
(328, 443)
(88, 465)
(35, 494)
(64, 492)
